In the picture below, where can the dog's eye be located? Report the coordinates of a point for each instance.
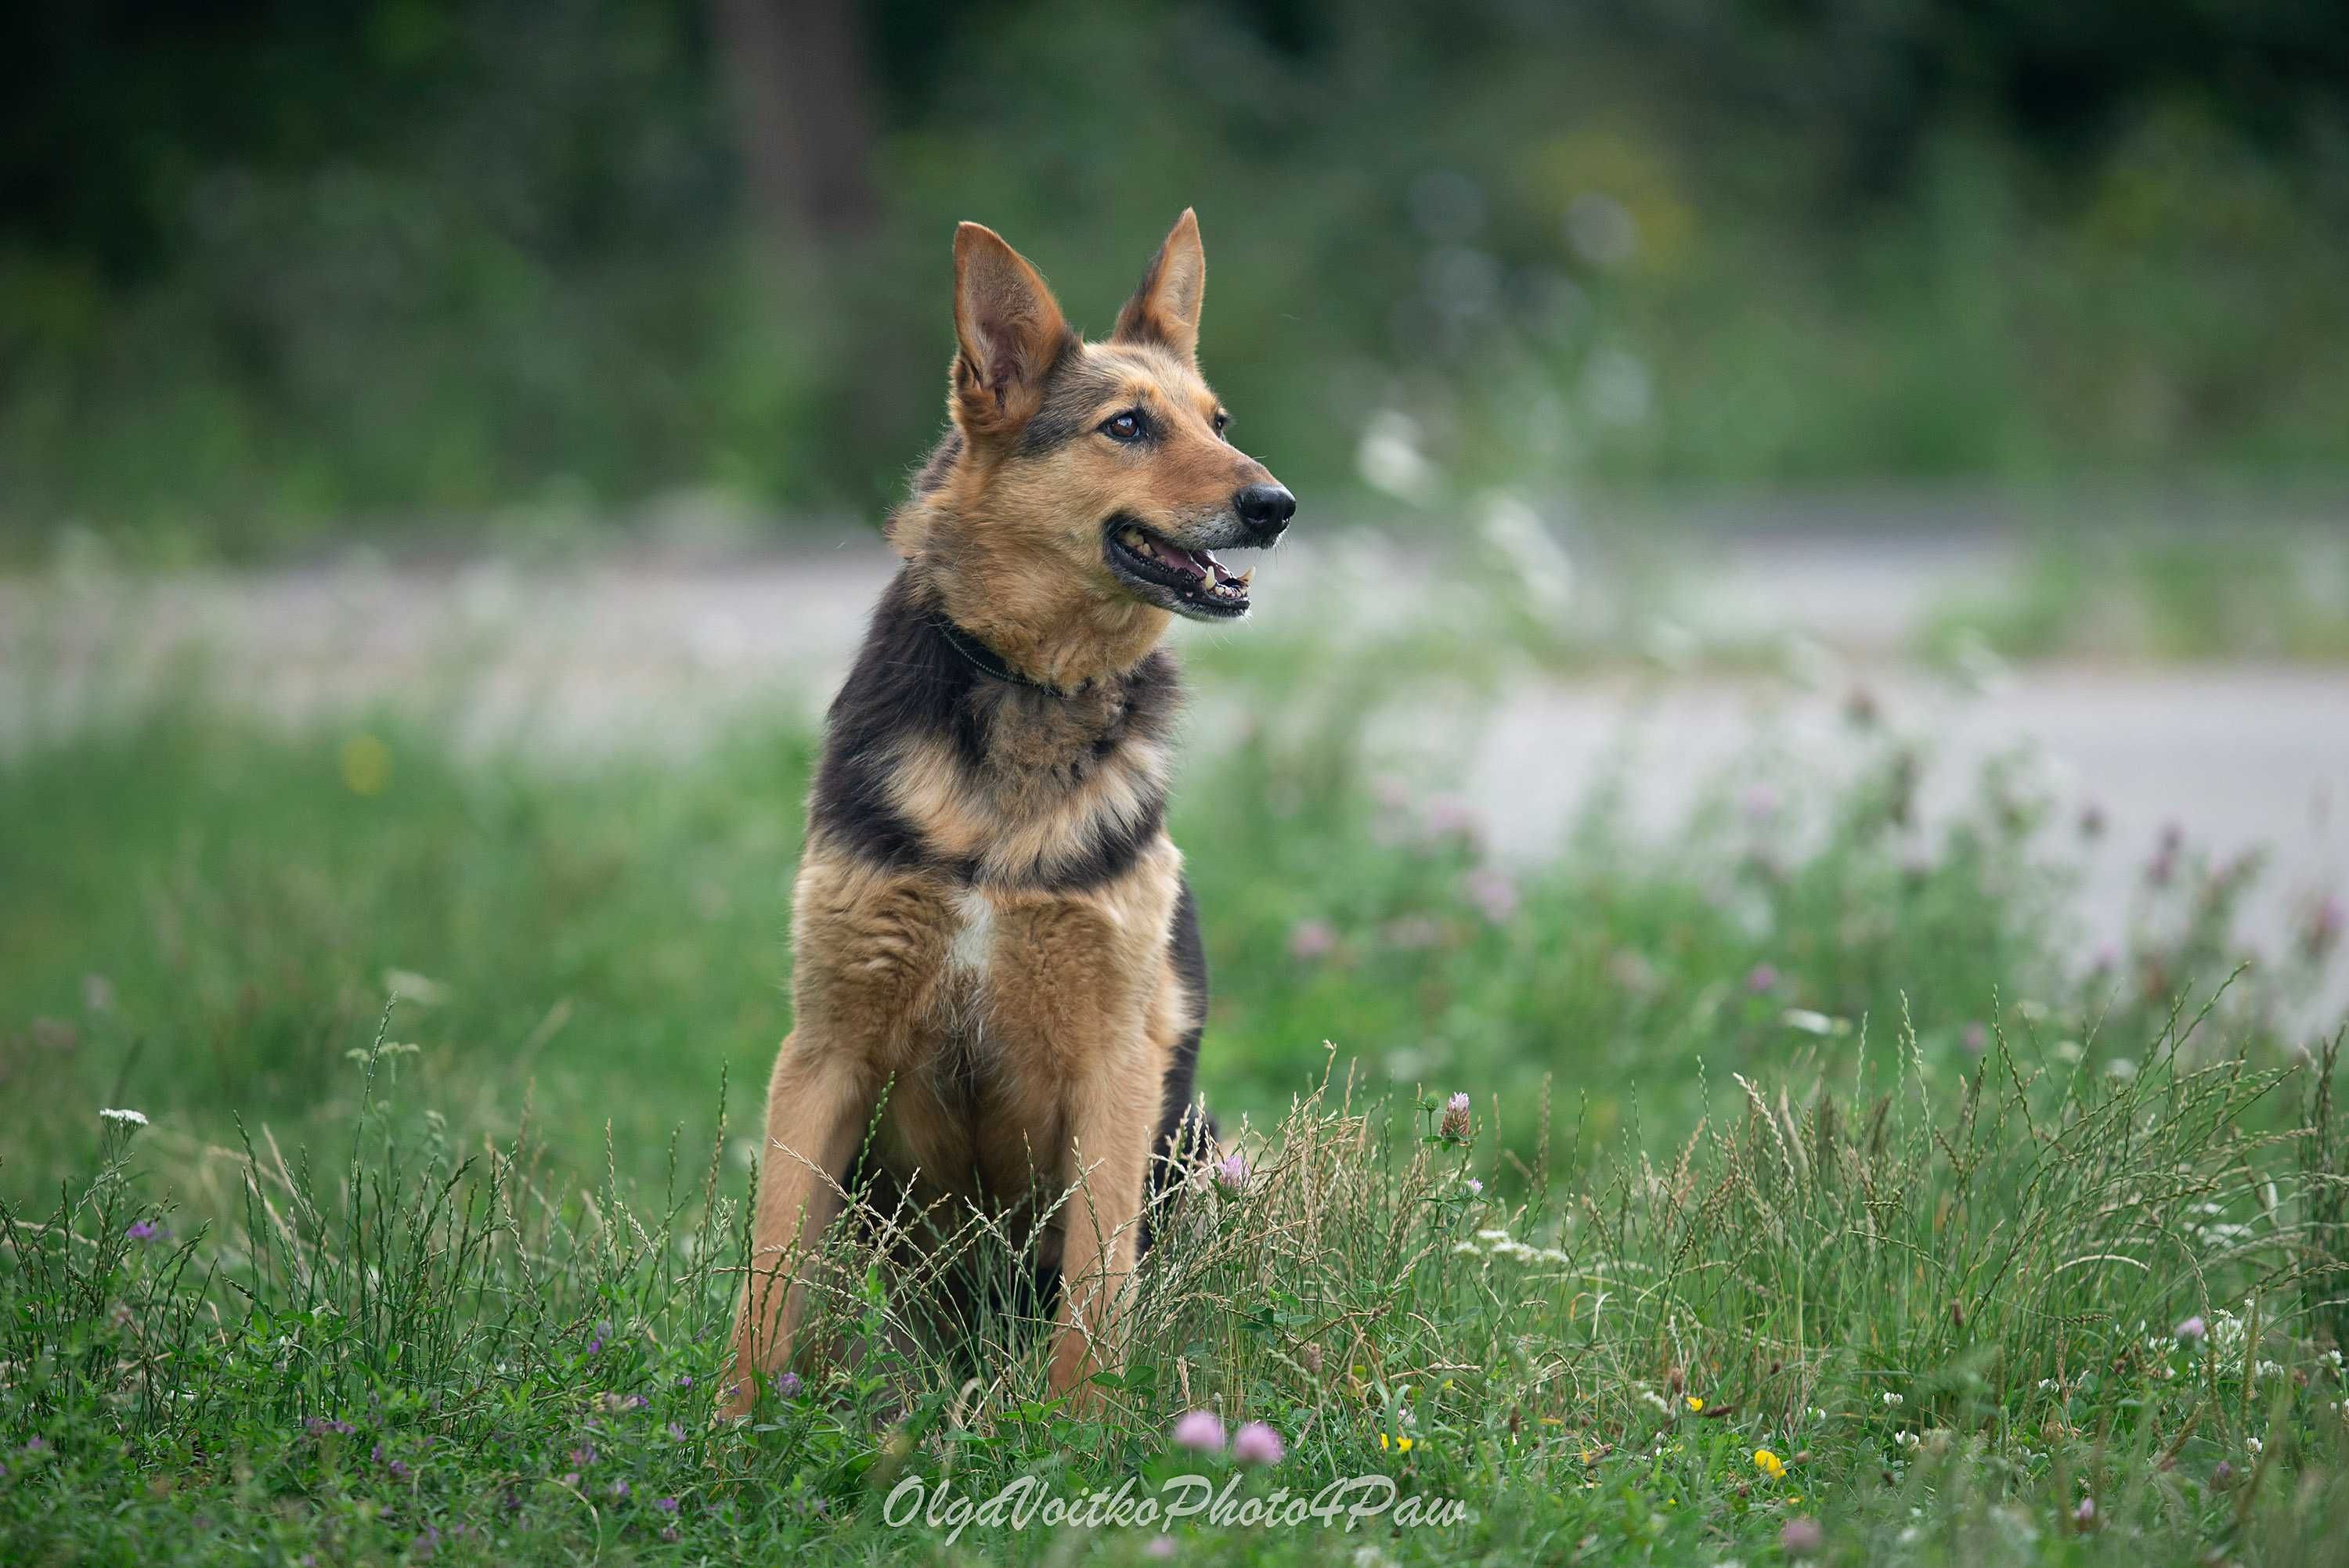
(1125, 427)
(1222, 421)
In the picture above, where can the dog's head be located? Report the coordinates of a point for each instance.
(1092, 475)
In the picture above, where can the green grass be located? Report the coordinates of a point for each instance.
(1801, 1115)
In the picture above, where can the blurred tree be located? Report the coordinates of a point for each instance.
(797, 72)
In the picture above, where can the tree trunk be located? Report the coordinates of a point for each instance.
(796, 69)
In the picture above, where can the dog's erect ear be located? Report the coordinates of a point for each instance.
(1165, 308)
(1010, 330)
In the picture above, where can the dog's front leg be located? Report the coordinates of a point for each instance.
(817, 1104)
(1110, 1120)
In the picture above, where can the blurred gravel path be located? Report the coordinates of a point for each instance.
(666, 655)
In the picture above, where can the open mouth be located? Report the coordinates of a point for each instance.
(1188, 582)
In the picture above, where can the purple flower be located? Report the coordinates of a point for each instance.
(1494, 894)
(666, 1504)
(1761, 977)
(2324, 927)
(425, 1542)
(1232, 1171)
(1476, 1188)
(619, 1488)
(1202, 1430)
(1257, 1444)
(583, 1457)
(786, 1386)
(2084, 1516)
(685, 1380)
(1311, 939)
(143, 1231)
(2193, 1331)
(319, 1426)
(679, 1432)
(1450, 817)
(1455, 1125)
(1801, 1537)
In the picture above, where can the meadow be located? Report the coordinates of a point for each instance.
(376, 1125)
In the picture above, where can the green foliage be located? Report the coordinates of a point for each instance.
(438, 267)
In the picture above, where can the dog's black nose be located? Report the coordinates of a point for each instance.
(1266, 508)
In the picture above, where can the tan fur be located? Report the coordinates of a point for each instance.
(1065, 1031)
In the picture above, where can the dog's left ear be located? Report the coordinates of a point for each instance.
(1165, 308)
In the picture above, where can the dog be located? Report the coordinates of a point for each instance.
(999, 986)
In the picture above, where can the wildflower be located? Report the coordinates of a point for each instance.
(1455, 1125)
(678, 1433)
(1801, 1537)
(786, 1386)
(685, 1380)
(1893, 1401)
(143, 1231)
(2084, 1516)
(1202, 1430)
(1762, 978)
(1257, 1444)
(123, 1117)
(366, 764)
(2324, 927)
(2193, 1331)
(582, 1456)
(1232, 1171)
(1696, 1404)
(1310, 939)
(1450, 817)
(2254, 1446)
(1769, 1464)
(2222, 1476)
(1402, 1443)
(1494, 894)
(1907, 1440)
(1476, 1188)
(1656, 1399)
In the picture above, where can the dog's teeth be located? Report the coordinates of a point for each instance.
(1247, 577)
(1132, 538)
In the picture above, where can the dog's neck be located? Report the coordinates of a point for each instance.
(1045, 629)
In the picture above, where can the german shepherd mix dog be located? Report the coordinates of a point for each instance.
(994, 945)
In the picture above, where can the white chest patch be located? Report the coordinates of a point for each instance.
(974, 938)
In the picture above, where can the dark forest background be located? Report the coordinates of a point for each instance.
(272, 273)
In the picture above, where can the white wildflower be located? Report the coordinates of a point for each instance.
(1893, 1401)
(123, 1117)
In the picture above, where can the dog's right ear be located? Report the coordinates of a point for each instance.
(1010, 331)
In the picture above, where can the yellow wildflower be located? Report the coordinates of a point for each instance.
(366, 764)
(1769, 1464)
(1695, 1403)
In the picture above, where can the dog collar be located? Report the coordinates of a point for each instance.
(986, 660)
